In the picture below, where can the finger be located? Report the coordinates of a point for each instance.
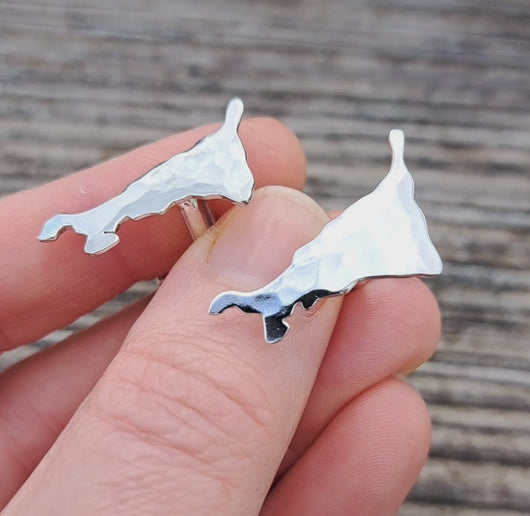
(385, 327)
(364, 462)
(39, 395)
(333, 214)
(50, 285)
(195, 412)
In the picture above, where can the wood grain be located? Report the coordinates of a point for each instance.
(80, 83)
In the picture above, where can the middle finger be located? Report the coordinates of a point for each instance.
(384, 327)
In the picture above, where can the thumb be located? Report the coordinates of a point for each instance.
(196, 411)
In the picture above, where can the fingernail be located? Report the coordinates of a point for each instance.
(257, 242)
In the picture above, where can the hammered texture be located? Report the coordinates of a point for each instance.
(382, 234)
(214, 168)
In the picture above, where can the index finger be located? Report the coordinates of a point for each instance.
(44, 287)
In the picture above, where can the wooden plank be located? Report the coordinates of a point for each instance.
(81, 83)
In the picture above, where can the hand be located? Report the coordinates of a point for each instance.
(164, 409)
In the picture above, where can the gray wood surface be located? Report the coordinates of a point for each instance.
(81, 82)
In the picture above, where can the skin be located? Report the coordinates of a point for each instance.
(164, 409)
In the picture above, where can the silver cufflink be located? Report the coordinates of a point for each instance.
(382, 234)
(213, 168)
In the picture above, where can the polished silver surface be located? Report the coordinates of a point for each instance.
(382, 234)
(197, 215)
(213, 168)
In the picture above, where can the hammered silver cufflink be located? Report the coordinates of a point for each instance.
(214, 168)
(383, 234)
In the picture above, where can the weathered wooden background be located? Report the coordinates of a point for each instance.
(83, 81)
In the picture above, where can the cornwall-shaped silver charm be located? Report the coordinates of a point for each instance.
(213, 168)
(383, 234)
